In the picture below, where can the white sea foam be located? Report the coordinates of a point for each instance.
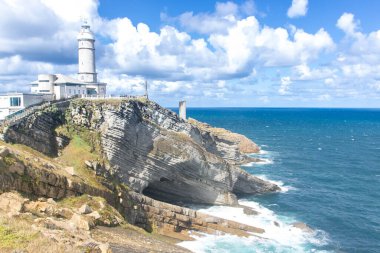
(262, 161)
(283, 187)
(279, 234)
(263, 152)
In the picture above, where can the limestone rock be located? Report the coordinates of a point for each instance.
(70, 171)
(4, 151)
(304, 227)
(85, 209)
(51, 201)
(249, 211)
(12, 203)
(95, 215)
(152, 151)
(82, 222)
(88, 164)
(105, 248)
(17, 168)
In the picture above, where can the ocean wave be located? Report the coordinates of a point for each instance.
(280, 235)
(262, 161)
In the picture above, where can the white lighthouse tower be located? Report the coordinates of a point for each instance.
(86, 55)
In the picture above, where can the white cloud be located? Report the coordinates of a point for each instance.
(347, 23)
(285, 83)
(221, 54)
(298, 8)
(303, 72)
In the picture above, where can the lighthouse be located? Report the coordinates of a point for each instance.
(59, 86)
(86, 55)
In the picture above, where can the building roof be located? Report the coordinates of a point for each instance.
(19, 94)
(62, 79)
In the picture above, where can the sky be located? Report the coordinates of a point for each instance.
(243, 53)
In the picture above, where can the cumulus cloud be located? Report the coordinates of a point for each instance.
(220, 54)
(347, 23)
(298, 8)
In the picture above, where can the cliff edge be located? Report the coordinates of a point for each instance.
(149, 148)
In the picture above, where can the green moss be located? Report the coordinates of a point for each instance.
(10, 238)
(9, 160)
(84, 145)
(78, 201)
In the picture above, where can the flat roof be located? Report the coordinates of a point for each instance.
(20, 94)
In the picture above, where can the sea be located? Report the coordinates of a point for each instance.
(327, 163)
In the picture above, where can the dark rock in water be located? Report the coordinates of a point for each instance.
(304, 227)
(249, 211)
(276, 223)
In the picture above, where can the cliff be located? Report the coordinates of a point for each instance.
(150, 149)
(62, 211)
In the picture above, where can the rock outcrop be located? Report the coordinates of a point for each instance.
(137, 209)
(231, 146)
(169, 159)
(152, 150)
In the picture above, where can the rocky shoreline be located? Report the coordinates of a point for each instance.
(139, 157)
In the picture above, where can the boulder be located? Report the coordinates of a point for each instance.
(304, 227)
(12, 203)
(70, 171)
(88, 164)
(95, 215)
(82, 222)
(4, 151)
(85, 209)
(105, 248)
(51, 201)
(249, 211)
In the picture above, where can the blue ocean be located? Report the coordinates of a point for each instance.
(327, 162)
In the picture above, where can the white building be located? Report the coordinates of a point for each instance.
(14, 102)
(55, 87)
(62, 86)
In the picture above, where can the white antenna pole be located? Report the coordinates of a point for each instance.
(146, 89)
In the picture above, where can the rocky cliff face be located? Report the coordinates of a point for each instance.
(153, 151)
(165, 157)
(231, 146)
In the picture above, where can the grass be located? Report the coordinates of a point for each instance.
(76, 202)
(11, 238)
(107, 212)
(16, 234)
(75, 154)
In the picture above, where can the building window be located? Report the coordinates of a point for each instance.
(15, 101)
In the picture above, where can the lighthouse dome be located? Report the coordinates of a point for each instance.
(85, 33)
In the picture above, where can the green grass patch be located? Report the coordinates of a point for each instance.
(75, 154)
(10, 238)
(78, 201)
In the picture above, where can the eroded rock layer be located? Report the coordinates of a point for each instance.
(157, 153)
(153, 151)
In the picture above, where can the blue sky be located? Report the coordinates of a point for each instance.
(265, 53)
